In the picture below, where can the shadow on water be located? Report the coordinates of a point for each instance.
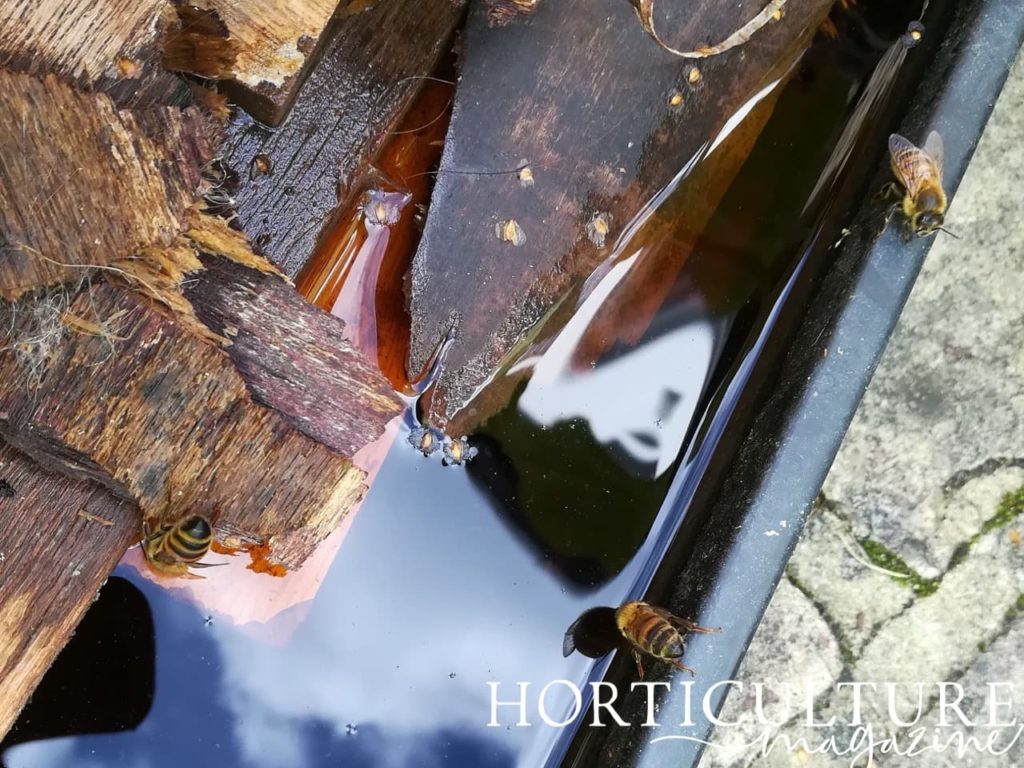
(453, 577)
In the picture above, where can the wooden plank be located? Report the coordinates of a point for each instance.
(605, 119)
(293, 356)
(277, 41)
(125, 394)
(131, 49)
(371, 69)
(56, 550)
(82, 183)
(112, 47)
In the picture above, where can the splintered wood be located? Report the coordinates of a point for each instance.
(275, 42)
(82, 183)
(160, 416)
(53, 559)
(118, 46)
(108, 46)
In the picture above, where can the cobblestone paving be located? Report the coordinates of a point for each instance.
(912, 569)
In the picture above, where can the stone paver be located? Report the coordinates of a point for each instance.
(934, 450)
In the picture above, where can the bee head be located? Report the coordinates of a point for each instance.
(927, 223)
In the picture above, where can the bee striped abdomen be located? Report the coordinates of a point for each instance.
(664, 641)
(189, 540)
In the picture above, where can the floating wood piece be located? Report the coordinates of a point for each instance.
(369, 72)
(82, 183)
(110, 47)
(158, 414)
(54, 556)
(603, 124)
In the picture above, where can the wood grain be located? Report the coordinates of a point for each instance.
(160, 416)
(277, 40)
(53, 560)
(605, 119)
(369, 72)
(109, 46)
(82, 183)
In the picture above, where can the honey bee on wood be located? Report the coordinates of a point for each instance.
(656, 632)
(919, 172)
(172, 549)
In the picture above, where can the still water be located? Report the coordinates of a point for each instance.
(450, 577)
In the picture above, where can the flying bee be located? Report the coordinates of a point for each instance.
(919, 172)
(656, 632)
(172, 549)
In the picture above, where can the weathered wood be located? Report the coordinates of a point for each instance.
(127, 47)
(605, 119)
(293, 356)
(133, 397)
(83, 183)
(277, 40)
(110, 47)
(371, 69)
(59, 539)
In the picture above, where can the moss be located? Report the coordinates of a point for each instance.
(883, 557)
(982, 646)
(1010, 508)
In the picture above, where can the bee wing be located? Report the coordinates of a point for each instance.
(911, 164)
(935, 149)
(569, 640)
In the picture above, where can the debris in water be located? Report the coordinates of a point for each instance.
(598, 228)
(351, 729)
(426, 440)
(458, 451)
(383, 209)
(913, 35)
(509, 231)
(6, 490)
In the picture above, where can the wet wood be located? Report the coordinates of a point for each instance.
(59, 539)
(293, 356)
(361, 262)
(105, 384)
(371, 68)
(604, 124)
(82, 183)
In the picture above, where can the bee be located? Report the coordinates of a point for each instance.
(656, 632)
(919, 172)
(172, 549)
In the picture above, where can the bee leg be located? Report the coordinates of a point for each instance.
(890, 191)
(689, 626)
(679, 665)
(639, 664)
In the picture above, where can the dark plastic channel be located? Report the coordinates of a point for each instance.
(801, 404)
